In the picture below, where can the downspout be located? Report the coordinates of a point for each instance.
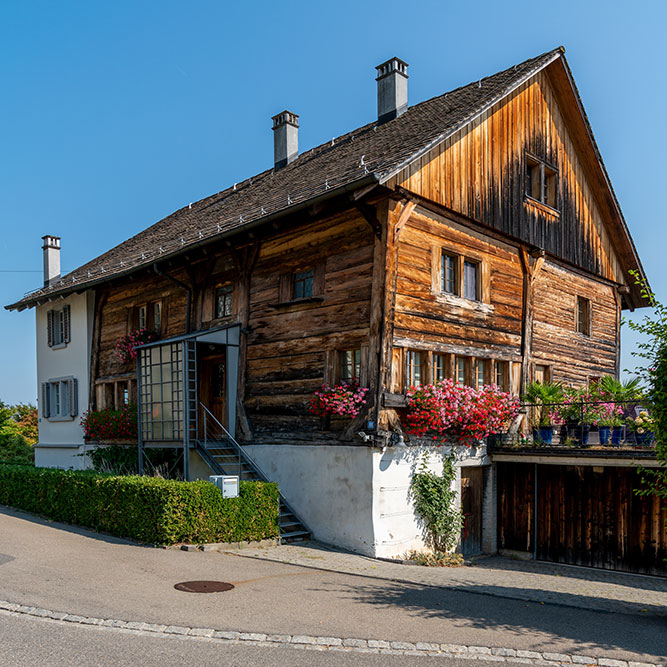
(185, 287)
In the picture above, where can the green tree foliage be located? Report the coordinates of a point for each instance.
(653, 352)
(434, 502)
(18, 432)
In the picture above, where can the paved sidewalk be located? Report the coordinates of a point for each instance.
(586, 588)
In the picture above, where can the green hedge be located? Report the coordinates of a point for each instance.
(148, 509)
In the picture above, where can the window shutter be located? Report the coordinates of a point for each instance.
(73, 388)
(45, 399)
(285, 288)
(66, 324)
(49, 327)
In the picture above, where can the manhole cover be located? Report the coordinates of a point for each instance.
(204, 586)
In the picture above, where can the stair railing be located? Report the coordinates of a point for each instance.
(244, 456)
(232, 441)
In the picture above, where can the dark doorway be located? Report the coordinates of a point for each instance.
(472, 487)
(213, 389)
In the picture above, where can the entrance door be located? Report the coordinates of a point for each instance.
(472, 482)
(212, 392)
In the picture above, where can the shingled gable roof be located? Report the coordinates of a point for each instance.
(370, 154)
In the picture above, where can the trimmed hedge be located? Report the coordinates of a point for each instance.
(148, 509)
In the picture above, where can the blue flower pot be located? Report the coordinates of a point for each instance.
(644, 439)
(616, 435)
(581, 433)
(546, 434)
(605, 432)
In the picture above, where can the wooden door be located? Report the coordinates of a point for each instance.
(472, 486)
(213, 390)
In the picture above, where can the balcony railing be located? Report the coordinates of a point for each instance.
(579, 425)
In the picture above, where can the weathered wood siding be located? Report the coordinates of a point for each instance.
(427, 319)
(574, 357)
(292, 347)
(480, 172)
(586, 515)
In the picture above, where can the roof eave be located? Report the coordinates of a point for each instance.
(28, 302)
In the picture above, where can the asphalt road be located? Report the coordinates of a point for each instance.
(27, 642)
(71, 570)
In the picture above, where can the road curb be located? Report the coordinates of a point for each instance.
(308, 642)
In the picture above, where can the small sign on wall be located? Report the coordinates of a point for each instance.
(228, 485)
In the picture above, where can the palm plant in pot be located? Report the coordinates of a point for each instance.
(622, 394)
(543, 397)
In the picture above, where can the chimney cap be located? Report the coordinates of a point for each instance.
(51, 241)
(391, 66)
(285, 118)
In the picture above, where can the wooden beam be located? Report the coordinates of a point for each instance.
(408, 208)
(369, 213)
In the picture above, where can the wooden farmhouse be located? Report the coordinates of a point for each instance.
(473, 236)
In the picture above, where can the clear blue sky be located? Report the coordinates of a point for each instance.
(113, 115)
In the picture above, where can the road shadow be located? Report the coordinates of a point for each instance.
(627, 579)
(69, 528)
(502, 609)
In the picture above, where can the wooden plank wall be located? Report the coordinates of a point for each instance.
(292, 348)
(573, 357)
(479, 172)
(586, 515)
(428, 320)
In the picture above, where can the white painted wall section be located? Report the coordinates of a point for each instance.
(61, 440)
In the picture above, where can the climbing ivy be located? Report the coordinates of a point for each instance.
(434, 502)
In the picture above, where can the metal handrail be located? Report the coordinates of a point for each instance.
(235, 445)
(243, 454)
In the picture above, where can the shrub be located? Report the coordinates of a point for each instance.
(455, 413)
(14, 449)
(434, 500)
(147, 509)
(109, 424)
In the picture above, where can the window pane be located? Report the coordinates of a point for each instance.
(64, 399)
(438, 367)
(223, 303)
(303, 284)
(414, 368)
(499, 380)
(460, 370)
(350, 365)
(470, 280)
(481, 369)
(157, 315)
(142, 317)
(448, 274)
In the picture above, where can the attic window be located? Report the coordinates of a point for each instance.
(541, 182)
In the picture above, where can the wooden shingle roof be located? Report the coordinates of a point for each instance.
(372, 153)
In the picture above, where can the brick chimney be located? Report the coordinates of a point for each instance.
(51, 250)
(392, 81)
(285, 138)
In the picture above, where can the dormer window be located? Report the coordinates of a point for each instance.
(541, 182)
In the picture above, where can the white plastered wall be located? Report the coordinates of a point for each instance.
(60, 442)
(357, 497)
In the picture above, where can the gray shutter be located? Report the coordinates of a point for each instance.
(49, 327)
(46, 410)
(73, 388)
(66, 324)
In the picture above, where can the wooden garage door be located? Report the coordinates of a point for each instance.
(585, 515)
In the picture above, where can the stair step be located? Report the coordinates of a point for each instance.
(298, 533)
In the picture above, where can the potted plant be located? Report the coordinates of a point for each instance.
(610, 423)
(642, 427)
(544, 396)
(578, 412)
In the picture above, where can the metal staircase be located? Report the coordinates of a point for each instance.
(225, 456)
